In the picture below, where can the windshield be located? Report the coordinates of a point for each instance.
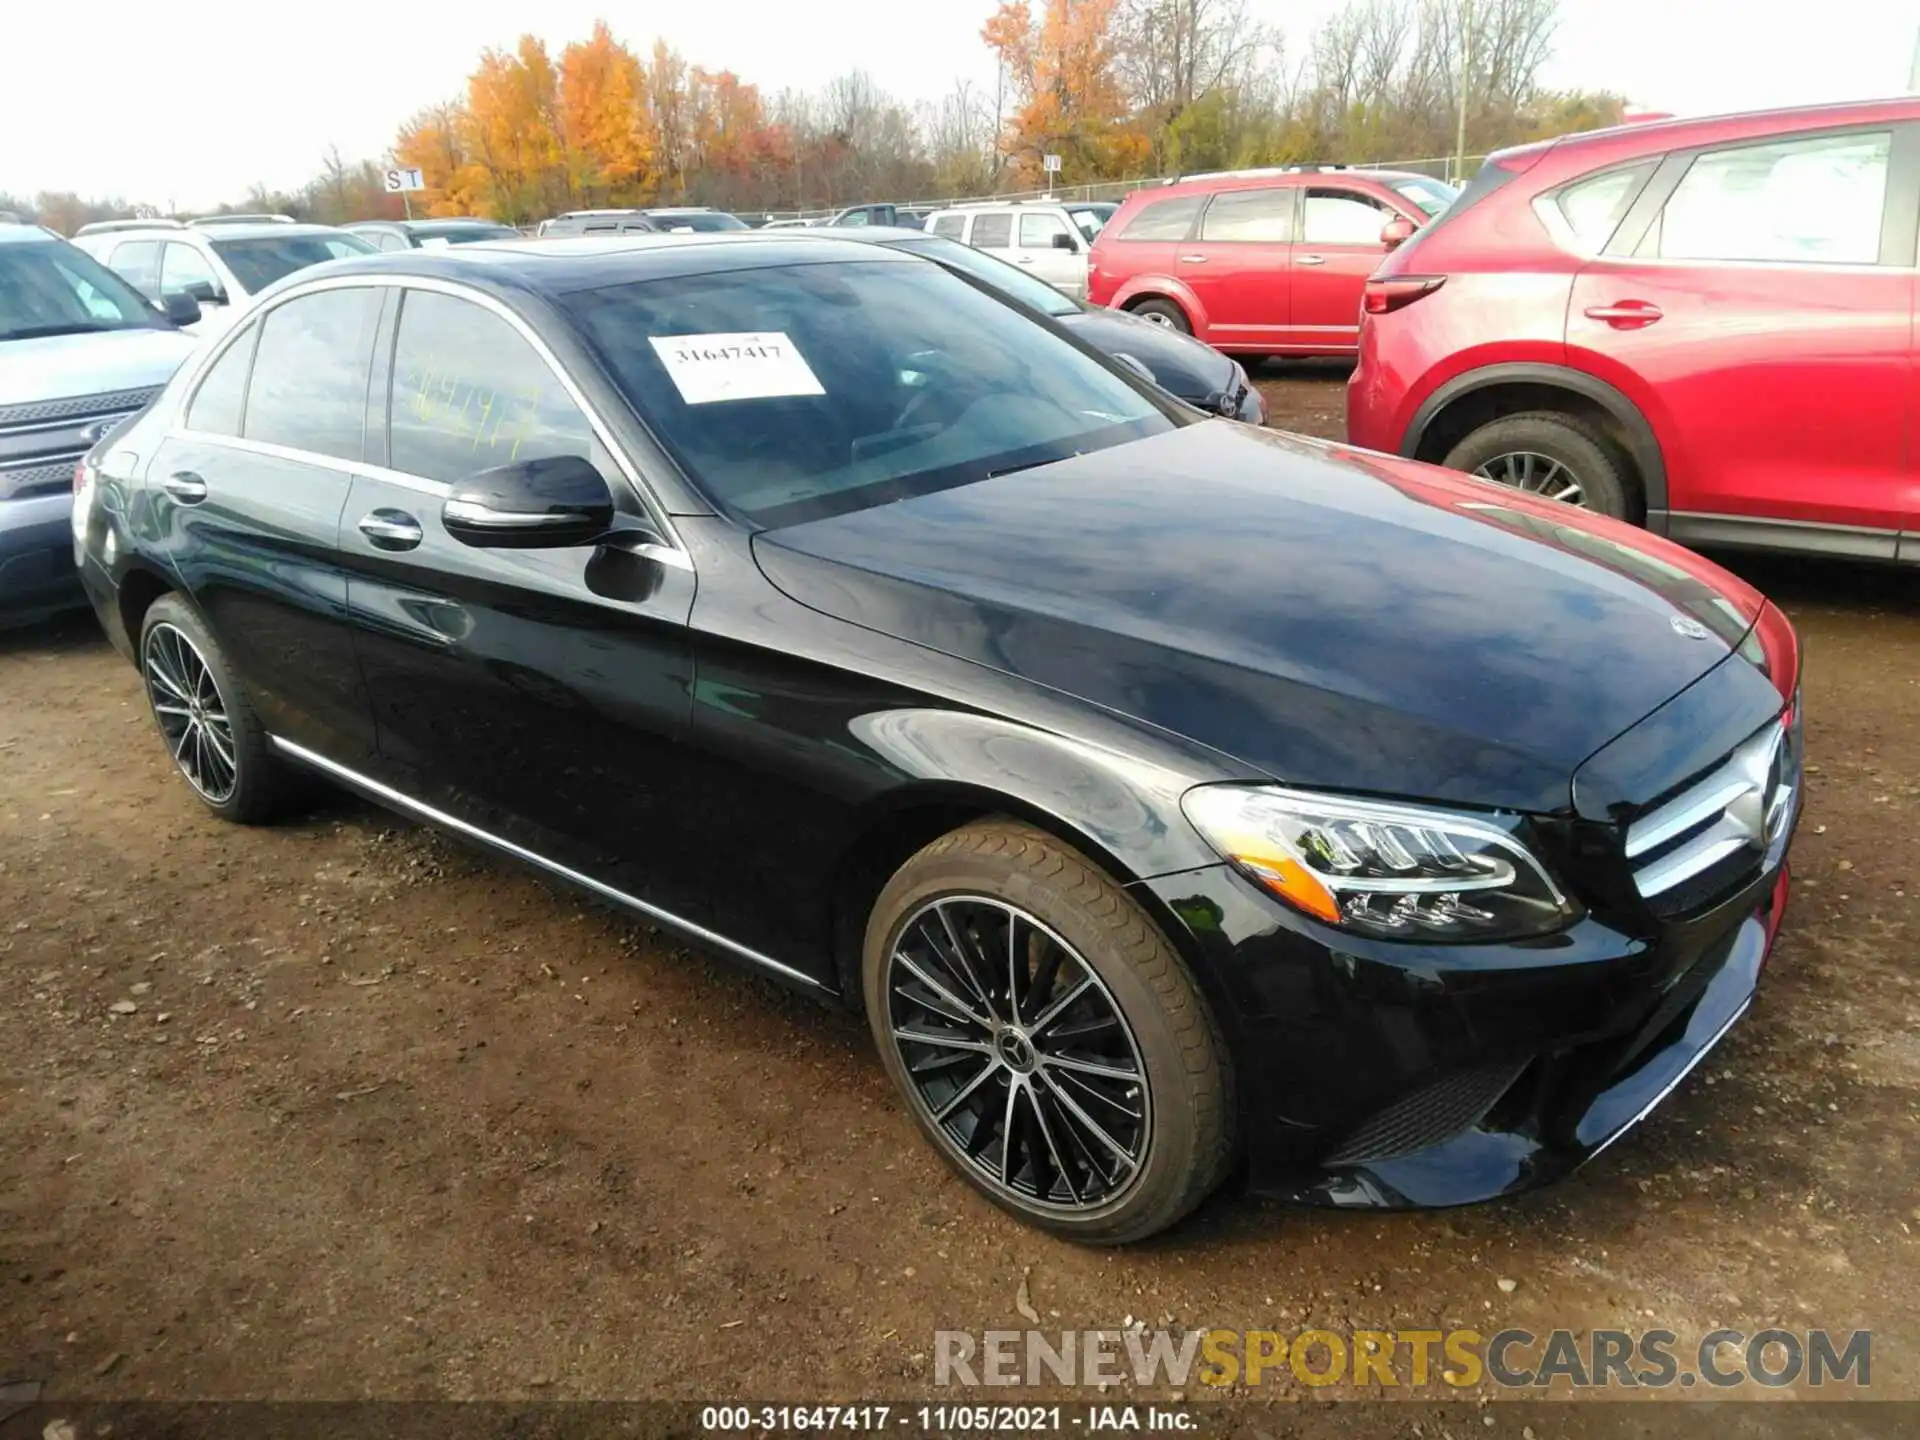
(59, 289)
(1432, 196)
(700, 221)
(258, 262)
(1028, 290)
(800, 391)
(464, 234)
(1092, 219)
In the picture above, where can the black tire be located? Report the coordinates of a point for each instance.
(262, 785)
(1163, 312)
(1184, 1142)
(1498, 449)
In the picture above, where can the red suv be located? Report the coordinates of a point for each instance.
(1259, 262)
(1706, 325)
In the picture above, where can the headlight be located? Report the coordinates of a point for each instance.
(1399, 872)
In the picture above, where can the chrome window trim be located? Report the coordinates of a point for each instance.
(402, 801)
(602, 432)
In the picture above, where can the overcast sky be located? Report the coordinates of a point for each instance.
(188, 106)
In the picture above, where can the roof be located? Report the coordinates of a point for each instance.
(1651, 136)
(562, 267)
(1281, 175)
(249, 230)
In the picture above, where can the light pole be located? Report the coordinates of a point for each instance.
(1466, 71)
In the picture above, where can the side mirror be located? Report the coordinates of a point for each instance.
(1063, 241)
(1397, 232)
(181, 308)
(530, 505)
(205, 292)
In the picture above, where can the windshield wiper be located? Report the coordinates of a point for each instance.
(42, 332)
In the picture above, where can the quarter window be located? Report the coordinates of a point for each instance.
(469, 393)
(1164, 219)
(993, 232)
(1816, 199)
(1594, 207)
(1343, 217)
(138, 263)
(1250, 215)
(309, 388)
(218, 403)
(951, 226)
(1037, 230)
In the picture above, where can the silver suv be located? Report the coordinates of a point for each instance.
(80, 351)
(222, 261)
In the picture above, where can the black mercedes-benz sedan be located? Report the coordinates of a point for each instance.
(1172, 795)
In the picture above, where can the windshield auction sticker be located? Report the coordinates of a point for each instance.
(755, 365)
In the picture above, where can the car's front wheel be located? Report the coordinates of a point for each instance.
(1547, 454)
(206, 717)
(1047, 1038)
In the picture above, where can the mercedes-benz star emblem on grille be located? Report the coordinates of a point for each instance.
(1692, 629)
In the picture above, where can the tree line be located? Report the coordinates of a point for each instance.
(1118, 89)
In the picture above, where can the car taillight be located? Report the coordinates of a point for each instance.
(1385, 296)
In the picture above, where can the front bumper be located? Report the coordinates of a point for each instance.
(37, 576)
(1391, 1077)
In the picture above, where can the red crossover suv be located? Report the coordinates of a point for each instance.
(1705, 324)
(1259, 262)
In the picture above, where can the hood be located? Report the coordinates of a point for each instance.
(1330, 617)
(62, 367)
(1195, 372)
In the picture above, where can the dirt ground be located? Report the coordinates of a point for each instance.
(341, 1109)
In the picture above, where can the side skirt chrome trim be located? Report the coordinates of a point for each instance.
(387, 795)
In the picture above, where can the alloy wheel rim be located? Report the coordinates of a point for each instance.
(1536, 474)
(1017, 1053)
(191, 712)
(1154, 317)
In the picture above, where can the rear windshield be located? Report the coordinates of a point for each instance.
(1487, 179)
(59, 289)
(800, 391)
(463, 234)
(257, 263)
(700, 224)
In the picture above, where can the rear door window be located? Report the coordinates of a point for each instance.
(138, 263)
(1814, 199)
(1038, 229)
(993, 231)
(1250, 215)
(469, 393)
(1164, 219)
(310, 374)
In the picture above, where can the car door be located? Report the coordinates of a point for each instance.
(247, 495)
(1338, 248)
(1238, 267)
(1046, 245)
(1757, 304)
(541, 695)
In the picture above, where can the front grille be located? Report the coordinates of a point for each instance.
(1716, 833)
(113, 402)
(1438, 1112)
(42, 477)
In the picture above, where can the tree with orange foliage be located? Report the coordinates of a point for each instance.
(511, 135)
(1064, 73)
(609, 148)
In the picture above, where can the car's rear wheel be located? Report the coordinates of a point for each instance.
(1047, 1038)
(206, 717)
(1164, 313)
(1548, 454)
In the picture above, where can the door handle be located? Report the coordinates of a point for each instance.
(391, 530)
(185, 486)
(1193, 259)
(1627, 315)
(1310, 260)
